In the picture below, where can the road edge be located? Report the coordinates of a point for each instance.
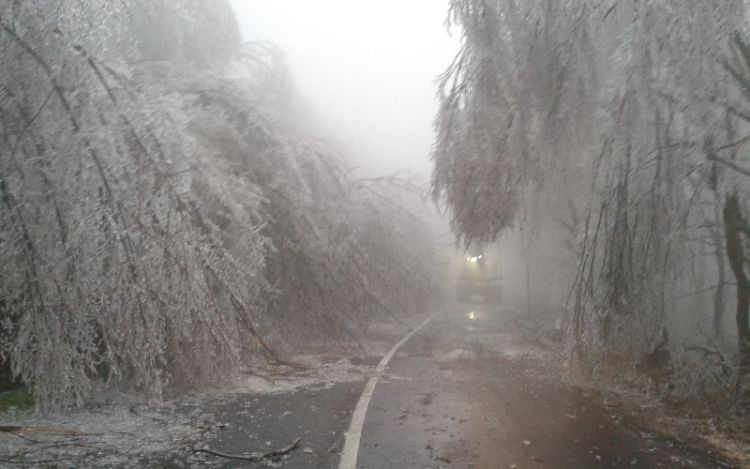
(351, 445)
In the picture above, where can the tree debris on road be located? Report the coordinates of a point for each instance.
(254, 457)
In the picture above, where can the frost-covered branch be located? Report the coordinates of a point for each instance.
(158, 228)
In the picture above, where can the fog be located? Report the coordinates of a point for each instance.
(195, 192)
(369, 71)
(367, 68)
(167, 143)
(199, 191)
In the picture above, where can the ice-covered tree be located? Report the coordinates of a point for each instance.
(157, 228)
(110, 265)
(618, 106)
(202, 33)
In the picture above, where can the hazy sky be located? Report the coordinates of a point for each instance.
(368, 66)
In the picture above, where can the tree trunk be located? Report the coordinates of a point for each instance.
(718, 315)
(734, 226)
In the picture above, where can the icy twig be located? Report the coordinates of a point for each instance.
(255, 457)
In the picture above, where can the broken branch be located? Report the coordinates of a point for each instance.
(255, 457)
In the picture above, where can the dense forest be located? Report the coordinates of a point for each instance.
(165, 214)
(616, 131)
(172, 210)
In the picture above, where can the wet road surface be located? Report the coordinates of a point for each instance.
(466, 391)
(459, 394)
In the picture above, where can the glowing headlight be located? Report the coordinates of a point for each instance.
(473, 259)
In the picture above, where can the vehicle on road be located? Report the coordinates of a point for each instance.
(479, 276)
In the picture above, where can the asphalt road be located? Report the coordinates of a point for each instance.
(465, 391)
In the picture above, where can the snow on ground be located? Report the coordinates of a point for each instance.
(117, 431)
(108, 435)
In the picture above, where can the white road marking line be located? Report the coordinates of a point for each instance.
(351, 446)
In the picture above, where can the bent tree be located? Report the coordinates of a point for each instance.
(156, 224)
(109, 266)
(615, 106)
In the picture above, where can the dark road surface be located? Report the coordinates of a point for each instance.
(461, 393)
(466, 391)
(460, 396)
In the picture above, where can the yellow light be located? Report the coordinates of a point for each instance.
(471, 315)
(473, 259)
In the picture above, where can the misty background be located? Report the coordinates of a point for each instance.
(209, 182)
(368, 70)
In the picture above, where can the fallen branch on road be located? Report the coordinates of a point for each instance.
(16, 430)
(254, 457)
